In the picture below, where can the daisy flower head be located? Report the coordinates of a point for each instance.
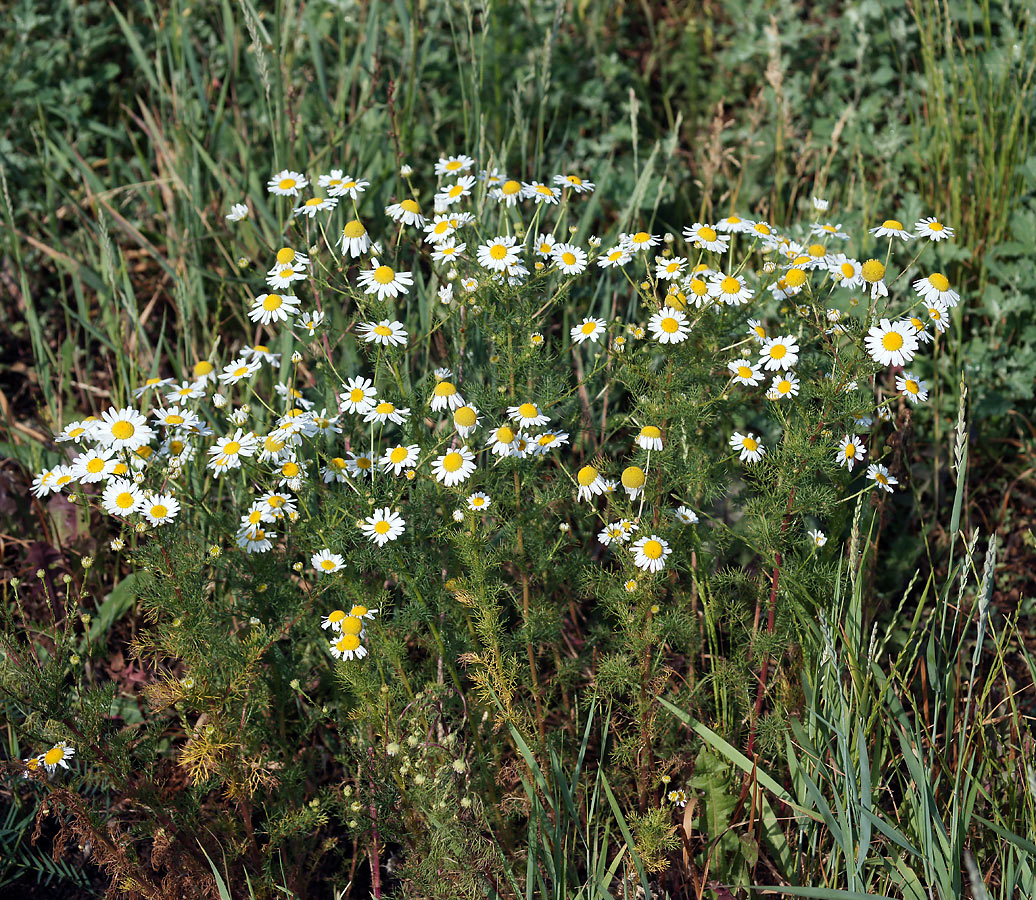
(454, 193)
(633, 479)
(335, 618)
(649, 438)
(76, 432)
(779, 353)
(313, 205)
(763, 232)
(931, 228)
(892, 343)
(228, 451)
(782, 386)
(402, 456)
(613, 533)
(669, 326)
(56, 756)
(705, 237)
(440, 228)
(850, 451)
(239, 369)
(326, 562)
(935, 288)
(685, 516)
(177, 417)
(938, 315)
(590, 483)
(873, 274)
(340, 185)
(574, 183)
(549, 440)
(386, 411)
(881, 477)
(451, 165)
(912, 387)
(454, 466)
(669, 269)
(827, 230)
(123, 429)
(256, 540)
(589, 329)
(121, 497)
(446, 396)
(540, 193)
(640, 240)
(238, 212)
(892, 228)
(616, 256)
(281, 277)
(570, 259)
(743, 371)
(509, 192)
(730, 289)
(821, 205)
(152, 383)
(406, 212)
(354, 239)
(498, 253)
(748, 446)
(466, 420)
(383, 526)
(479, 502)
(94, 465)
(385, 281)
(650, 553)
(817, 537)
(362, 612)
(545, 242)
(269, 308)
(845, 271)
(734, 224)
(385, 332)
(448, 250)
(756, 330)
(347, 646)
(287, 183)
(527, 415)
(159, 509)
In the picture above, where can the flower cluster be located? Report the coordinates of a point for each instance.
(391, 431)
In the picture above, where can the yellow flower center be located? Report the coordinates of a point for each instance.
(441, 227)
(122, 430)
(650, 431)
(410, 205)
(586, 476)
(445, 389)
(589, 327)
(498, 251)
(313, 201)
(452, 461)
(465, 417)
(348, 642)
(795, 278)
(778, 351)
(873, 270)
(892, 225)
(384, 408)
(285, 256)
(633, 477)
(699, 287)
(730, 285)
(453, 165)
(653, 549)
(286, 184)
(351, 625)
(847, 270)
(125, 500)
(354, 229)
(568, 258)
(336, 616)
(641, 237)
(272, 302)
(528, 411)
(95, 465)
(382, 527)
(936, 226)
(381, 331)
(348, 184)
(850, 451)
(510, 187)
(158, 511)
(750, 444)
(911, 386)
(669, 325)
(706, 233)
(255, 517)
(290, 469)
(744, 371)
(456, 190)
(892, 340)
(231, 448)
(398, 454)
(784, 386)
(384, 275)
(762, 228)
(327, 564)
(816, 251)
(504, 434)
(53, 756)
(574, 179)
(174, 419)
(362, 462)
(939, 281)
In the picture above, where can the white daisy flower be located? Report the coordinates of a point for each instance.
(748, 446)
(590, 483)
(827, 230)
(933, 229)
(730, 289)
(396, 459)
(574, 183)
(669, 269)
(850, 451)
(527, 415)
(354, 239)
(287, 183)
(498, 253)
(237, 212)
(454, 466)
(326, 562)
(912, 387)
(466, 420)
(549, 440)
(58, 755)
(121, 497)
(881, 477)
(616, 256)
(267, 308)
(589, 329)
(705, 237)
(817, 537)
(479, 502)
(451, 165)
(313, 205)
(783, 386)
(454, 193)
(159, 509)
(347, 646)
(544, 244)
(633, 479)
(892, 228)
(845, 271)
(650, 438)
(650, 553)
(685, 516)
(541, 193)
(387, 412)
(935, 288)
(347, 186)
(669, 326)
(743, 371)
(448, 250)
(779, 353)
(734, 224)
(383, 526)
(357, 465)
(122, 429)
(446, 396)
(256, 540)
(384, 332)
(406, 212)
(509, 192)
(891, 343)
(94, 465)
(570, 259)
(384, 280)
(641, 240)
